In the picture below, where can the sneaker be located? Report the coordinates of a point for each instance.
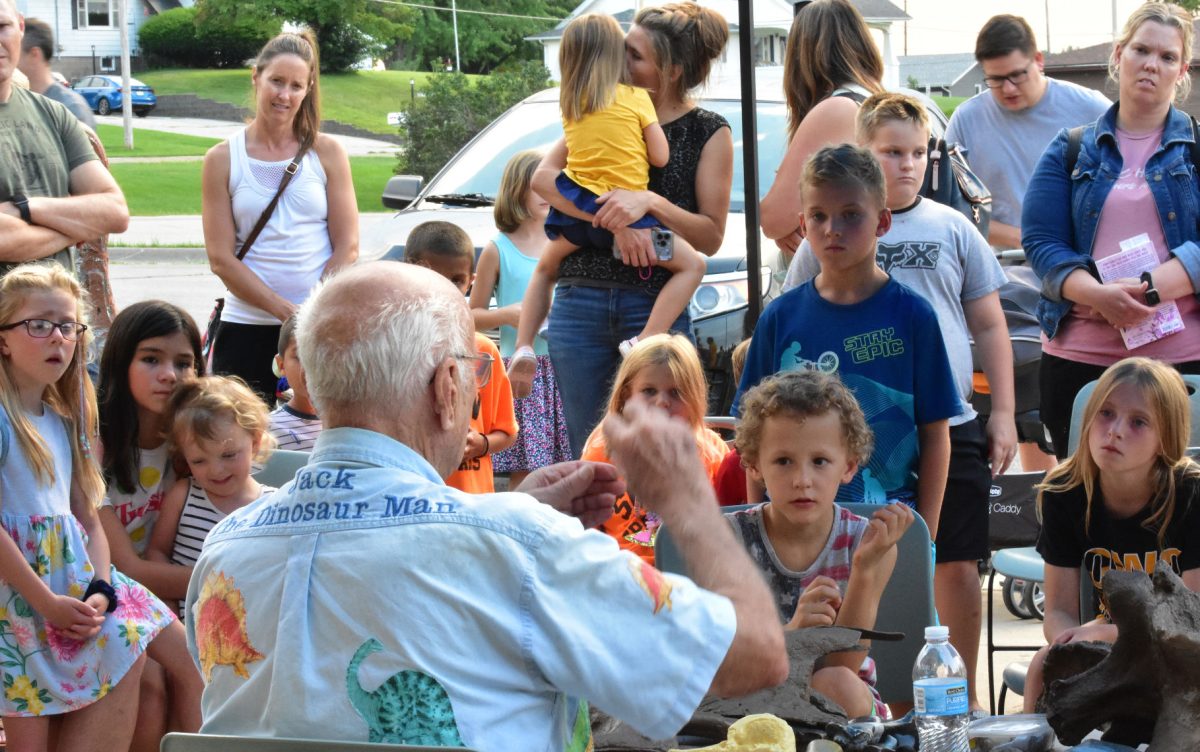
(627, 346)
(521, 370)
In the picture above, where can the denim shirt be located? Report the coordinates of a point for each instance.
(367, 600)
(1058, 223)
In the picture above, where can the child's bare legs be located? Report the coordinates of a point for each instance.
(844, 687)
(153, 708)
(687, 269)
(955, 588)
(183, 681)
(103, 726)
(534, 308)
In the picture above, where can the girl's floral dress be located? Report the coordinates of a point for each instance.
(43, 671)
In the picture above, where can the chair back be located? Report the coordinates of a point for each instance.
(1191, 381)
(906, 605)
(281, 467)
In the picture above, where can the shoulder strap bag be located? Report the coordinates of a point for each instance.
(214, 318)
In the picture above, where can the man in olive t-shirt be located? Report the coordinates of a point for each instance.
(54, 192)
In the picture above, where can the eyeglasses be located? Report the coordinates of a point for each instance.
(1016, 79)
(41, 328)
(483, 367)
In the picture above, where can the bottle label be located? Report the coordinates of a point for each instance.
(940, 696)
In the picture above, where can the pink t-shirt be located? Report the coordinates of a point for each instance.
(1129, 210)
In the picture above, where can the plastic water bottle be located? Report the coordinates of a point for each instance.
(940, 694)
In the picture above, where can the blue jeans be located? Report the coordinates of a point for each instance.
(586, 326)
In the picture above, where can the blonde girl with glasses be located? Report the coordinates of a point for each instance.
(74, 629)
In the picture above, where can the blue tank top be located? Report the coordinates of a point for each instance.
(516, 269)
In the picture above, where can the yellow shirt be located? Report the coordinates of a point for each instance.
(606, 149)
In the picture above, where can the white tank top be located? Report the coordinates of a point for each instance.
(293, 248)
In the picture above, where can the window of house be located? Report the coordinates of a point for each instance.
(91, 14)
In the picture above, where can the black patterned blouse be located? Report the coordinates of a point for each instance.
(687, 135)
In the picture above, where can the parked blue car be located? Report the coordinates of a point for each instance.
(103, 94)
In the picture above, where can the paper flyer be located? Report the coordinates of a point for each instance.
(1137, 255)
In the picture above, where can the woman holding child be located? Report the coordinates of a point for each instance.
(831, 65)
(600, 300)
(312, 232)
(1132, 183)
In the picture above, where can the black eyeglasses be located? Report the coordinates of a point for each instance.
(1016, 79)
(41, 328)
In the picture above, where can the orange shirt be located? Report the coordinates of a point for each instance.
(495, 414)
(633, 526)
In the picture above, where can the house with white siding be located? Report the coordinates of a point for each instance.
(87, 33)
(772, 20)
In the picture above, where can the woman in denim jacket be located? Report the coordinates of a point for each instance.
(1133, 175)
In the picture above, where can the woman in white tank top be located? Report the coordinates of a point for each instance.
(311, 233)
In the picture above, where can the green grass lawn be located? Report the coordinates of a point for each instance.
(360, 98)
(158, 188)
(949, 104)
(148, 143)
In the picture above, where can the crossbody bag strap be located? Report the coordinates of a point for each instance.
(288, 173)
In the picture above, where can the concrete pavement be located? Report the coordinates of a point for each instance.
(188, 230)
(223, 129)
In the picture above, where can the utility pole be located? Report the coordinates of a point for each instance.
(1047, 26)
(454, 13)
(126, 87)
(906, 28)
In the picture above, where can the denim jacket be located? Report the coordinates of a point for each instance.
(1061, 212)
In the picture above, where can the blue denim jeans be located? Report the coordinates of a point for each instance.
(586, 326)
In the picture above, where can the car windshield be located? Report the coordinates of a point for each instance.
(536, 125)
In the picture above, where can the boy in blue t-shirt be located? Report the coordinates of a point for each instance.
(877, 335)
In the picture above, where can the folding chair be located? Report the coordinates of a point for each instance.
(906, 605)
(179, 742)
(281, 467)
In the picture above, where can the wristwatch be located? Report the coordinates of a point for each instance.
(22, 205)
(1152, 297)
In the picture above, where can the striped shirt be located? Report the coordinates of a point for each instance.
(293, 429)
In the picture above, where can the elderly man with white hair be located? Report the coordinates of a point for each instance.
(54, 192)
(367, 600)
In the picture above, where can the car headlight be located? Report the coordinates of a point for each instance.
(721, 293)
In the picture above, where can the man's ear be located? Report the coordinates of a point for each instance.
(444, 386)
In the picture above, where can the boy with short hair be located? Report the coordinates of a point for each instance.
(881, 338)
(447, 250)
(803, 434)
(294, 424)
(936, 252)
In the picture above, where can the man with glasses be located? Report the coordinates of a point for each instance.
(1006, 128)
(54, 192)
(366, 600)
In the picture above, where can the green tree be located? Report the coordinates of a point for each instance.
(453, 110)
(347, 30)
(197, 38)
(485, 42)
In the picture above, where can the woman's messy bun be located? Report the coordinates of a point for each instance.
(686, 35)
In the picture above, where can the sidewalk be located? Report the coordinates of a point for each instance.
(188, 230)
(223, 129)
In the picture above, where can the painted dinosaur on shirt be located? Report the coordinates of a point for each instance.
(408, 708)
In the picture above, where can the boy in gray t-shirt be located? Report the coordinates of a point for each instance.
(938, 253)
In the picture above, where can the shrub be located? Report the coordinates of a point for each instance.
(194, 38)
(453, 110)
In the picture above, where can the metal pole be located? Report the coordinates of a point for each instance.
(126, 87)
(454, 12)
(750, 162)
(412, 90)
(1047, 26)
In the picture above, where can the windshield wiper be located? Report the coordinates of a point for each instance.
(462, 199)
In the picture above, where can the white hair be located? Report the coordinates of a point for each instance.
(382, 357)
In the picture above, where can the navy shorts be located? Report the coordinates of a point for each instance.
(963, 524)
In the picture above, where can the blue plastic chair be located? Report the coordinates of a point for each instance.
(180, 742)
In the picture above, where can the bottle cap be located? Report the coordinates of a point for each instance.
(937, 633)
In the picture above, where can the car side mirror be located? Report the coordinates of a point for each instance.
(401, 190)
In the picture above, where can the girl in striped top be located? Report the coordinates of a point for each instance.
(219, 427)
